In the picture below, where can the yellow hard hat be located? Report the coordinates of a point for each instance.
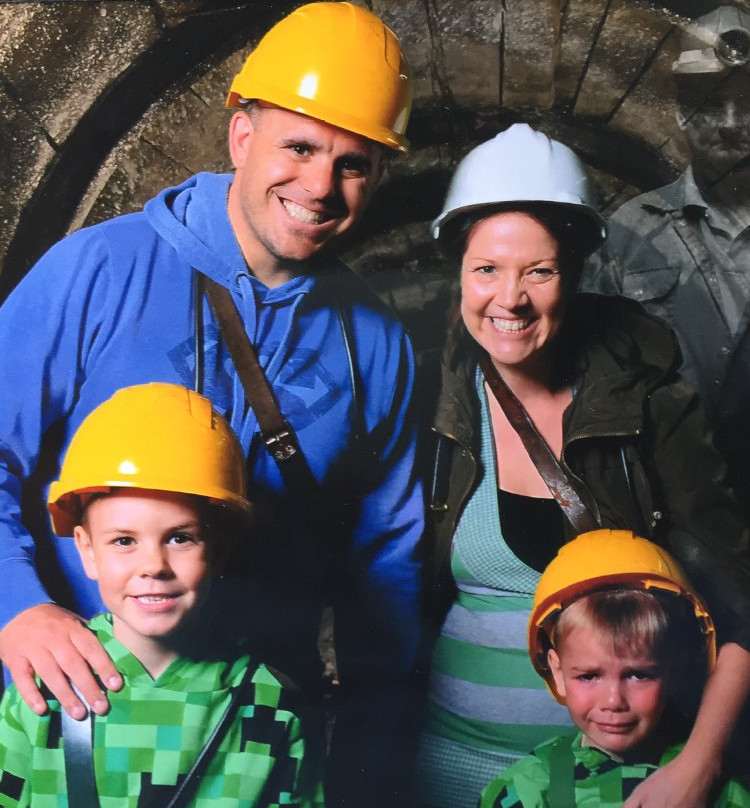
(335, 62)
(597, 560)
(155, 436)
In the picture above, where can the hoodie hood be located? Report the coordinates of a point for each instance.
(193, 218)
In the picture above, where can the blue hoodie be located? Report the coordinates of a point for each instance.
(112, 305)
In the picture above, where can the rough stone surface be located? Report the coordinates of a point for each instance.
(177, 138)
(530, 40)
(580, 25)
(600, 81)
(629, 37)
(648, 112)
(66, 54)
(453, 47)
(23, 156)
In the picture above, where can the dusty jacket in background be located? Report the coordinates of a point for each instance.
(685, 260)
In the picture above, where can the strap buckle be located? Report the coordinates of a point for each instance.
(281, 445)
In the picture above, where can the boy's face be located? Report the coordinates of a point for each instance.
(148, 553)
(616, 701)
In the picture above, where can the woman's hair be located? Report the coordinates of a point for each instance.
(637, 622)
(574, 231)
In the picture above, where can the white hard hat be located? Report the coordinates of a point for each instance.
(521, 165)
(715, 42)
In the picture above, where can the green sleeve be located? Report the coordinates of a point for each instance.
(16, 752)
(297, 775)
(523, 785)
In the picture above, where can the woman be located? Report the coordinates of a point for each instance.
(597, 376)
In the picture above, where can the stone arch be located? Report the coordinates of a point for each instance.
(106, 101)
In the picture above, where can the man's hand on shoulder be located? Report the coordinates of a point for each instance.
(56, 645)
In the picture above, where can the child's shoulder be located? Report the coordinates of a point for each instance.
(527, 780)
(16, 717)
(269, 674)
(272, 688)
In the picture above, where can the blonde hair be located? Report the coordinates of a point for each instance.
(634, 620)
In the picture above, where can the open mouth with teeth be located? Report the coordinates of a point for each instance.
(510, 326)
(154, 598)
(304, 215)
(155, 603)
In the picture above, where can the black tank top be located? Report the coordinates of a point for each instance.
(533, 527)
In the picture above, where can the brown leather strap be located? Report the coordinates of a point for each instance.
(277, 433)
(541, 455)
(306, 495)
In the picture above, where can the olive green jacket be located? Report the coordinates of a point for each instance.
(635, 443)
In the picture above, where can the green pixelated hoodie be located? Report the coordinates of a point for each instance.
(154, 731)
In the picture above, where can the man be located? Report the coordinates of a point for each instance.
(682, 250)
(321, 102)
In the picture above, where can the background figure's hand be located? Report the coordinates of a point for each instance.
(55, 644)
(680, 784)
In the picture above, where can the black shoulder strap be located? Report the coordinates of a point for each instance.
(278, 435)
(78, 739)
(347, 332)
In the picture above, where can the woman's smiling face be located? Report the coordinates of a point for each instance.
(513, 295)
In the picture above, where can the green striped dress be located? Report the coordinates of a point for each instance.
(487, 706)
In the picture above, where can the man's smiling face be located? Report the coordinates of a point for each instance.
(299, 183)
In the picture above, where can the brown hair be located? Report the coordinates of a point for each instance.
(573, 231)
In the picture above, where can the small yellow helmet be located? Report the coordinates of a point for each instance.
(155, 436)
(597, 560)
(336, 62)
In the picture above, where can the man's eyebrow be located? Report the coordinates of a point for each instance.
(301, 140)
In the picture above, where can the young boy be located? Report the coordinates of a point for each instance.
(152, 488)
(614, 630)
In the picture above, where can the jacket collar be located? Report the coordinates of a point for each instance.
(457, 409)
(622, 353)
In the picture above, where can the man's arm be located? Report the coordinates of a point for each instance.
(16, 754)
(377, 618)
(46, 333)
(378, 624)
